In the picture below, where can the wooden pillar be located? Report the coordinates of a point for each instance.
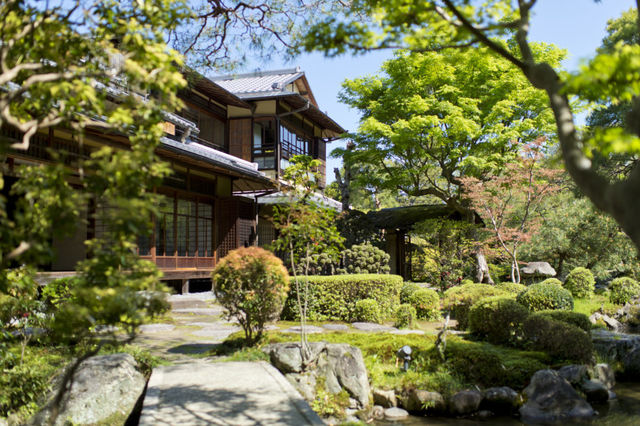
(185, 286)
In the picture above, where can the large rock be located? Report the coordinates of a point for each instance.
(103, 386)
(595, 391)
(501, 400)
(395, 413)
(422, 401)
(341, 366)
(538, 269)
(550, 398)
(574, 374)
(385, 398)
(614, 346)
(631, 364)
(465, 402)
(604, 374)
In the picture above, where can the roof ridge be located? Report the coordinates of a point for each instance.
(257, 74)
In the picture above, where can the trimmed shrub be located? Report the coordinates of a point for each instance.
(498, 319)
(251, 284)
(466, 281)
(623, 290)
(512, 288)
(407, 290)
(367, 310)
(426, 302)
(458, 300)
(568, 317)
(364, 259)
(552, 281)
(405, 316)
(580, 282)
(58, 292)
(333, 298)
(558, 339)
(543, 296)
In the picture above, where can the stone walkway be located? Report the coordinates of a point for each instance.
(230, 393)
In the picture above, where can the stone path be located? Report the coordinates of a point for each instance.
(230, 393)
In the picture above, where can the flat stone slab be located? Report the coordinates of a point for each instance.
(200, 311)
(335, 327)
(216, 332)
(223, 393)
(373, 327)
(204, 295)
(156, 328)
(395, 413)
(403, 332)
(310, 329)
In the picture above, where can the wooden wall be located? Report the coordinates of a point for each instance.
(240, 136)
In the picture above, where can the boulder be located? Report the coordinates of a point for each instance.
(538, 269)
(574, 374)
(287, 357)
(502, 400)
(595, 391)
(304, 383)
(465, 402)
(604, 374)
(614, 346)
(385, 398)
(422, 401)
(377, 412)
(395, 413)
(103, 386)
(550, 398)
(631, 364)
(612, 323)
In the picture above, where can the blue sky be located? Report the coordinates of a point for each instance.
(575, 25)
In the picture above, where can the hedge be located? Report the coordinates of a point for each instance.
(544, 296)
(497, 318)
(458, 300)
(558, 339)
(568, 317)
(334, 298)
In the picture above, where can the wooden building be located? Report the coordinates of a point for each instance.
(226, 151)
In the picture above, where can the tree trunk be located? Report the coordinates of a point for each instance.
(344, 187)
(482, 268)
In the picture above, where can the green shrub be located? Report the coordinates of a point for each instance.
(251, 284)
(407, 290)
(466, 281)
(57, 292)
(497, 318)
(334, 298)
(458, 300)
(405, 316)
(427, 303)
(623, 290)
(580, 282)
(552, 281)
(568, 317)
(543, 296)
(512, 288)
(364, 259)
(558, 339)
(367, 310)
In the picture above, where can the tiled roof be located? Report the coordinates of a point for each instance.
(267, 82)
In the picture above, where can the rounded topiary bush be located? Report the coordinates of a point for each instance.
(407, 290)
(498, 318)
(405, 316)
(426, 302)
(251, 284)
(512, 288)
(580, 282)
(543, 296)
(367, 310)
(558, 339)
(552, 281)
(458, 300)
(568, 317)
(364, 259)
(623, 290)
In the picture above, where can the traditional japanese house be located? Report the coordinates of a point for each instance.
(283, 120)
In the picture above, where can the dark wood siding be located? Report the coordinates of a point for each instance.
(240, 132)
(236, 225)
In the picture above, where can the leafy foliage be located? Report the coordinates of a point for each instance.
(497, 318)
(459, 300)
(334, 297)
(573, 318)
(367, 310)
(580, 282)
(408, 288)
(543, 296)
(251, 283)
(364, 259)
(406, 316)
(512, 288)
(558, 339)
(427, 303)
(623, 290)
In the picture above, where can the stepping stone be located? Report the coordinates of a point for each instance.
(310, 329)
(395, 413)
(403, 332)
(156, 328)
(200, 311)
(335, 327)
(219, 332)
(271, 327)
(369, 326)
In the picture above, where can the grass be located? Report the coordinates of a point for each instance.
(593, 304)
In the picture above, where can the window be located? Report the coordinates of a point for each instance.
(264, 144)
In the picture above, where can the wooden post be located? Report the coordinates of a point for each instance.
(185, 286)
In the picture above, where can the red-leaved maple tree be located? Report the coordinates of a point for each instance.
(509, 202)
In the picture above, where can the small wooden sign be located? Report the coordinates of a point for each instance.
(169, 128)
